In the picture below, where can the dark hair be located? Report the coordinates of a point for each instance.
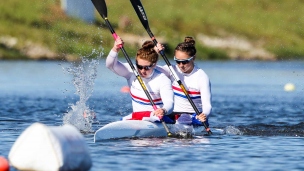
(187, 46)
(147, 52)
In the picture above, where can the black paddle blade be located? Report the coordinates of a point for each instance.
(140, 11)
(101, 7)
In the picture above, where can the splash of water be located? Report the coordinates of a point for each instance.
(84, 75)
(232, 130)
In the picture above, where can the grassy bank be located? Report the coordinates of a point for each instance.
(275, 25)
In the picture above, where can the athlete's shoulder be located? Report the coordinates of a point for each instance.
(200, 71)
(160, 73)
(164, 69)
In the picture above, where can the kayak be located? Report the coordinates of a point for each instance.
(139, 129)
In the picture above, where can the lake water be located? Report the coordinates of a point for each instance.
(263, 124)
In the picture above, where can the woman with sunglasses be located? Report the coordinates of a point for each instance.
(196, 82)
(157, 83)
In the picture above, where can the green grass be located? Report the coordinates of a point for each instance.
(43, 22)
(276, 24)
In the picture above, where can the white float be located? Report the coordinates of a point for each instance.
(42, 147)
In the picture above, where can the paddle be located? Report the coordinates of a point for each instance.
(139, 9)
(101, 7)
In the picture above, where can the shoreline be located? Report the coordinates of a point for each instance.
(236, 49)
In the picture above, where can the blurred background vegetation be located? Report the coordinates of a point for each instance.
(274, 27)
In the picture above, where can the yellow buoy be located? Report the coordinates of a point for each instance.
(289, 87)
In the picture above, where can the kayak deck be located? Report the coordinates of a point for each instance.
(138, 129)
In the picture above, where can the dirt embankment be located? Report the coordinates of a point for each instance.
(33, 51)
(237, 48)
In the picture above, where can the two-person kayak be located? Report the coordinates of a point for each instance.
(140, 129)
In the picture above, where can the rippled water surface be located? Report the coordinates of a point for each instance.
(262, 125)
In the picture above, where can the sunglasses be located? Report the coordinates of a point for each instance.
(140, 67)
(183, 61)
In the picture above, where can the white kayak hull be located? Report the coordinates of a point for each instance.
(138, 129)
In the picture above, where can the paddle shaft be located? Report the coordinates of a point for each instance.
(100, 5)
(139, 9)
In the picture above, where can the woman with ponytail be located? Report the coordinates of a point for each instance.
(196, 82)
(157, 83)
